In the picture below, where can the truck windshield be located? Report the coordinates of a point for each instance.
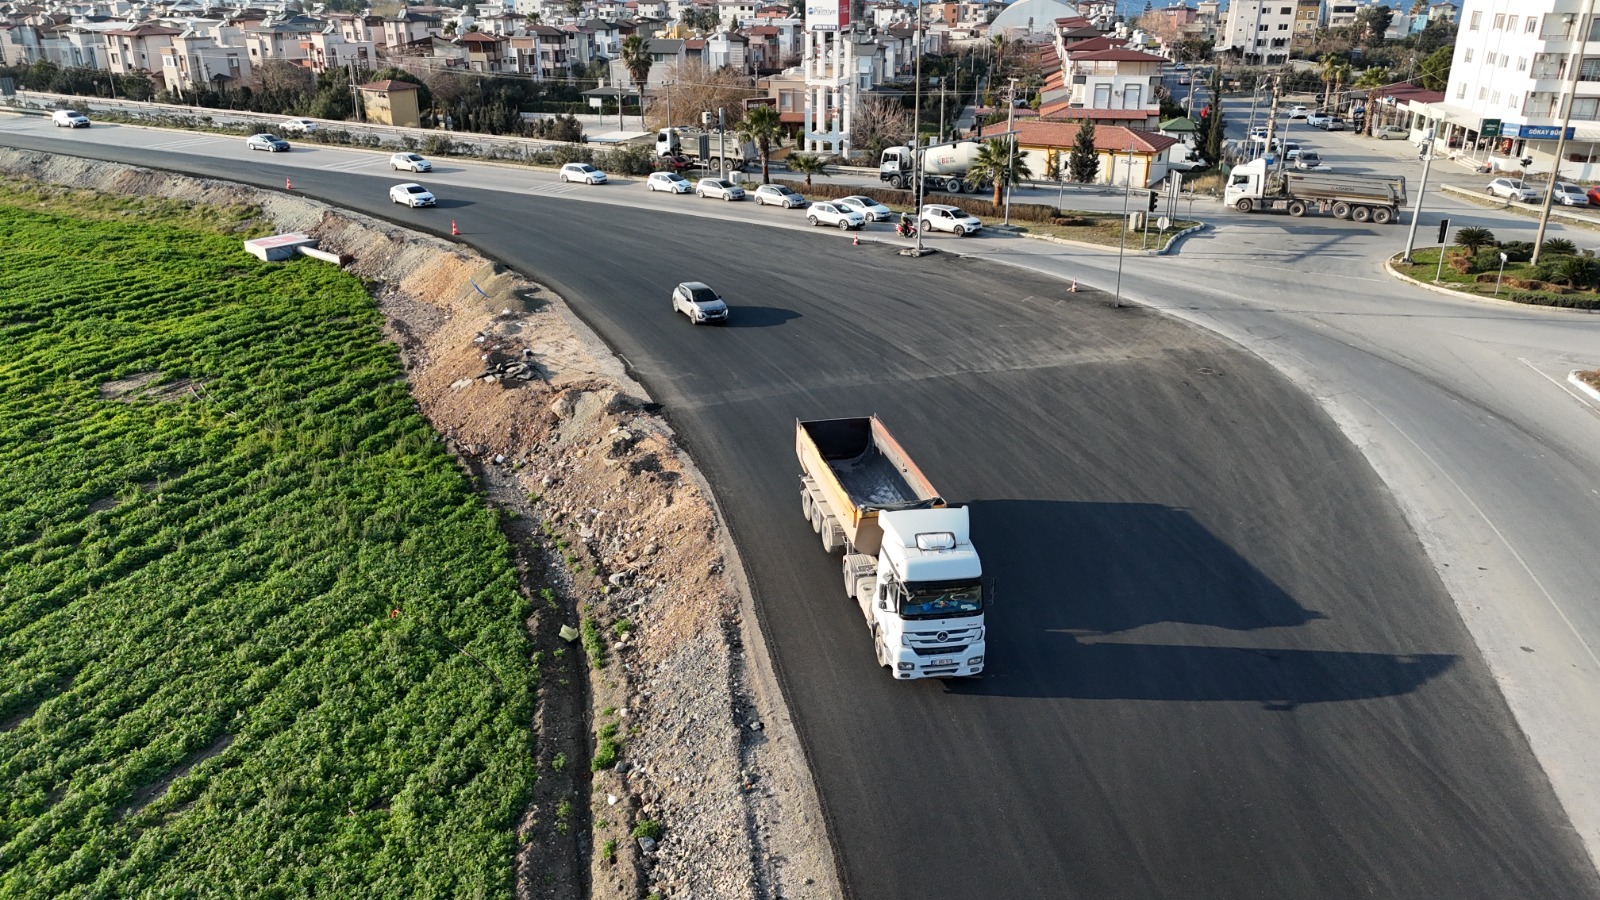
(941, 599)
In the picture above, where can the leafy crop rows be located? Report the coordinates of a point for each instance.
(228, 602)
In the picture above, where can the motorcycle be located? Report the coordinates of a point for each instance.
(905, 229)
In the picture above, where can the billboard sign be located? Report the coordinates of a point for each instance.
(1489, 128)
(827, 15)
(1533, 132)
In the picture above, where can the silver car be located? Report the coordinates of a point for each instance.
(1568, 194)
(410, 162)
(699, 302)
(778, 195)
(718, 189)
(268, 142)
(1511, 189)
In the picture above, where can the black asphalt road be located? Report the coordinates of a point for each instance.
(1219, 663)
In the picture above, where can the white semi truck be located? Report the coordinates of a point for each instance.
(944, 168)
(908, 557)
(1377, 198)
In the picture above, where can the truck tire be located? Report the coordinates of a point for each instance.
(1297, 208)
(1361, 214)
(857, 566)
(805, 504)
(878, 649)
(1341, 210)
(1245, 205)
(832, 535)
(897, 182)
(1383, 215)
(816, 518)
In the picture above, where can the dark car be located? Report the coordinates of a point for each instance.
(268, 142)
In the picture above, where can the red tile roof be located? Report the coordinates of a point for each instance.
(389, 85)
(1113, 56)
(1109, 138)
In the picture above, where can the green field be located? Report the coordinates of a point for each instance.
(204, 687)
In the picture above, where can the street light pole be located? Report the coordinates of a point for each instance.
(1575, 63)
(1122, 245)
(1416, 210)
(917, 153)
(1011, 147)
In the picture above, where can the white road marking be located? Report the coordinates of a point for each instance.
(1582, 400)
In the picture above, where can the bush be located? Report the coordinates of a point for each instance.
(1486, 260)
(1518, 251)
(634, 159)
(441, 145)
(647, 828)
(1558, 247)
(1575, 271)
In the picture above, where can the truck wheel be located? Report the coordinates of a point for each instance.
(816, 519)
(1383, 215)
(1341, 210)
(1361, 214)
(1245, 205)
(897, 183)
(1297, 208)
(832, 535)
(805, 504)
(878, 649)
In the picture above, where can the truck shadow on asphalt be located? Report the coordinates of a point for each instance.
(1071, 579)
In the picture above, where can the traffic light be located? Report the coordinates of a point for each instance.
(1153, 200)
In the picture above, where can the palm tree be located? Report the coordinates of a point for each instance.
(636, 59)
(1340, 74)
(809, 164)
(996, 162)
(1325, 66)
(762, 125)
(1474, 238)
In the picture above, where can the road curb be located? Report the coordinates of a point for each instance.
(1580, 384)
(1169, 249)
(1527, 212)
(1050, 238)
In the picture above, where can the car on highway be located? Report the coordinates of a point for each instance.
(412, 195)
(959, 222)
(1318, 119)
(1511, 189)
(871, 209)
(831, 213)
(1391, 132)
(779, 195)
(1299, 112)
(718, 189)
(298, 126)
(699, 302)
(1568, 194)
(1307, 160)
(69, 118)
(582, 173)
(668, 182)
(268, 142)
(1335, 123)
(410, 162)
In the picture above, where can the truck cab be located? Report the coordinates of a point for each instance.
(925, 601)
(1246, 182)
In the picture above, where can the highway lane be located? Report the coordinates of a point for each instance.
(1221, 665)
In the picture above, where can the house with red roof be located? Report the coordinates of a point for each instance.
(1128, 156)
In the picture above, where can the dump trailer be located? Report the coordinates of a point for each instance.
(1255, 186)
(704, 147)
(907, 555)
(944, 168)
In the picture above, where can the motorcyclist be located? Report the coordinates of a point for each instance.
(905, 228)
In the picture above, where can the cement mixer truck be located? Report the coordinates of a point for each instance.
(944, 167)
(908, 558)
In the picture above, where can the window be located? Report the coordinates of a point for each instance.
(1477, 19)
(1589, 69)
(1483, 93)
(1467, 55)
(1557, 27)
(1522, 64)
(1495, 97)
(1586, 108)
(1461, 91)
(1489, 60)
(1264, 27)
(1511, 24)
(1500, 22)
(1284, 26)
(1594, 29)
(1286, 11)
(1532, 26)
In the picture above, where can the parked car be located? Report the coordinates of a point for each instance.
(1308, 159)
(1335, 124)
(299, 126)
(718, 188)
(582, 172)
(671, 163)
(670, 182)
(1391, 133)
(1511, 189)
(1594, 194)
(699, 302)
(1299, 112)
(1318, 120)
(1258, 133)
(410, 162)
(828, 213)
(1568, 194)
(869, 208)
(269, 142)
(938, 217)
(412, 195)
(778, 195)
(69, 118)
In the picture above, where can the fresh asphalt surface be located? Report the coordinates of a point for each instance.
(1219, 663)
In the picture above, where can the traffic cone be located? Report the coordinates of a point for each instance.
(453, 230)
(1074, 286)
(288, 185)
(855, 241)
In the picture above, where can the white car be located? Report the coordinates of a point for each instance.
(69, 118)
(1318, 120)
(718, 188)
(1291, 151)
(699, 302)
(671, 182)
(938, 217)
(1568, 194)
(871, 209)
(412, 195)
(299, 126)
(1511, 189)
(410, 162)
(582, 172)
(1308, 159)
(1299, 112)
(827, 213)
(778, 195)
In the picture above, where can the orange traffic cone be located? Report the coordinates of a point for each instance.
(855, 241)
(1074, 286)
(453, 229)
(288, 185)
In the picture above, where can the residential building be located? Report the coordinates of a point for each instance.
(391, 103)
(1259, 31)
(197, 60)
(1512, 72)
(1128, 156)
(541, 52)
(410, 26)
(487, 52)
(1307, 19)
(1341, 13)
(1113, 87)
(137, 48)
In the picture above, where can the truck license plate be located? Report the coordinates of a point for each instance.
(944, 662)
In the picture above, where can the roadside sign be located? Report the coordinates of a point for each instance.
(1163, 223)
(1489, 128)
(1444, 229)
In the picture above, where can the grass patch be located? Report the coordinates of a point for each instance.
(606, 748)
(1425, 265)
(648, 828)
(593, 645)
(227, 614)
(1106, 229)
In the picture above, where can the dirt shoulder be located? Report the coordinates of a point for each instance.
(668, 764)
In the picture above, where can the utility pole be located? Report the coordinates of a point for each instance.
(1011, 145)
(1127, 183)
(916, 138)
(1416, 211)
(1574, 63)
(722, 145)
(1272, 118)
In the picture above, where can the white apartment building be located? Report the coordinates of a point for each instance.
(1513, 64)
(1259, 31)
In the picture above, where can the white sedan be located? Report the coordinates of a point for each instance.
(671, 182)
(412, 195)
(1511, 189)
(299, 126)
(827, 213)
(718, 188)
(410, 162)
(870, 209)
(699, 302)
(778, 195)
(582, 172)
(938, 217)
